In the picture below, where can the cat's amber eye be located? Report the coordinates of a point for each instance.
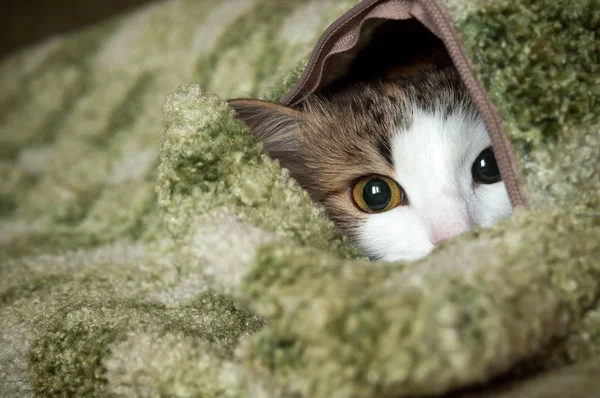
(376, 194)
(485, 169)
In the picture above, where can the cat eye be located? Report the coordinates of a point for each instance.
(376, 194)
(485, 169)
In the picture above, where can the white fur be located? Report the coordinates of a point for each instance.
(432, 161)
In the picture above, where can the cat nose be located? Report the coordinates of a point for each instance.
(445, 231)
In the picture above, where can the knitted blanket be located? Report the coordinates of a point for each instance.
(149, 251)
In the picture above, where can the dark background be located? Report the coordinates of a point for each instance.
(24, 22)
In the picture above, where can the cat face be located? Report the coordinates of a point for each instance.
(399, 165)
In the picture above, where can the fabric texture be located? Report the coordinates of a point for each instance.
(161, 253)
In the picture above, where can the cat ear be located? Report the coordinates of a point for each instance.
(275, 125)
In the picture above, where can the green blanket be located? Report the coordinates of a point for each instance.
(223, 279)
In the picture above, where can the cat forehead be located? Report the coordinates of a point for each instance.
(367, 110)
(363, 118)
(358, 105)
(439, 145)
(355, 127)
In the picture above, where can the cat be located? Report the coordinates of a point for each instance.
(399, 164)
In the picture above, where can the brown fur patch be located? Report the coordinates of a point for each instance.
(393, 91)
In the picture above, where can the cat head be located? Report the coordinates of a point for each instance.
(400, 165)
